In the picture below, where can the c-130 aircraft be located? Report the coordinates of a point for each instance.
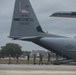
(26, 27)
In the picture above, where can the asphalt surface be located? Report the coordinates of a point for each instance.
(37, 69)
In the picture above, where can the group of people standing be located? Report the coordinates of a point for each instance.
(9, 61)
(40, 59)
(28, 59)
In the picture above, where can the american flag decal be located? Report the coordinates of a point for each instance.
(24, 11)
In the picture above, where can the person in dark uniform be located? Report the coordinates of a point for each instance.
(17, 59)
(28, 58)
(0, 57)
(49, 56)
(41, 59)
(34, 60)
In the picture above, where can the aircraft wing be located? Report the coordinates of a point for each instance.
(64, 14)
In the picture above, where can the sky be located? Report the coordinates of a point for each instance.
(43, 9)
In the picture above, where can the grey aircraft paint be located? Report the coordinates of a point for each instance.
(26, 27)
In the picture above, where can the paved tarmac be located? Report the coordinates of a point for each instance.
(37, 69)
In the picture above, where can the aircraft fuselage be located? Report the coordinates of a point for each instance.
(61, 46)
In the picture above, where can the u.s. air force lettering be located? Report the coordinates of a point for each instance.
(24, 19)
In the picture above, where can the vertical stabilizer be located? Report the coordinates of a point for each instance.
(24, 22)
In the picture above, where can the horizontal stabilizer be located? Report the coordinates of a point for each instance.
(30, 38)
(64, 14)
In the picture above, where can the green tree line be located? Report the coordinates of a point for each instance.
(11, 49)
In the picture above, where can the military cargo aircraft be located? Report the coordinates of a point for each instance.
(26, 27)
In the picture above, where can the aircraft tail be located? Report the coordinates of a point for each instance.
(24, 22)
